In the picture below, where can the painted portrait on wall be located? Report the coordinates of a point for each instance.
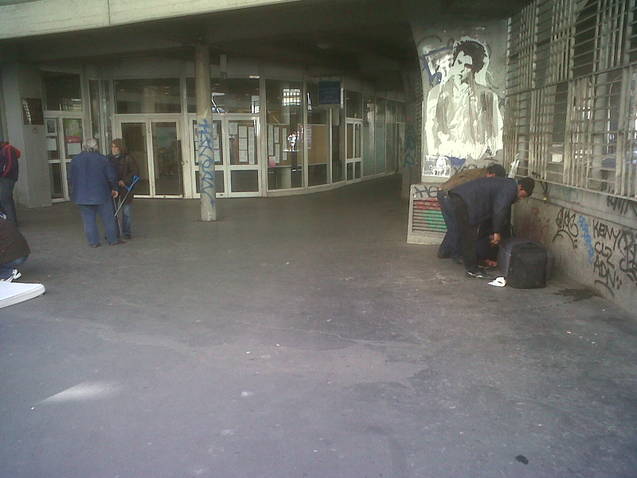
(463, 119)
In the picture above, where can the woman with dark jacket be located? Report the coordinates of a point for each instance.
(126, 169)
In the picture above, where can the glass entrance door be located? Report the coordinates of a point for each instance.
(235, 150)
(167, 164)
(243, 161)
(354, 151)
(64, 138)
(155, 144)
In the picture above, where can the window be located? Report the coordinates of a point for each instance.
(572, 94)
(291, 97)
(234, 95)
(317, 137)
(353, 104)
(285, 135)
(62, 91)
(147, 96)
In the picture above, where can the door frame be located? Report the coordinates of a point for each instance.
(226, 167)
(148, 120)
(357, 156)
(65, 159)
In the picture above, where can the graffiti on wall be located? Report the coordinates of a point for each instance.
(566, 222)
(588, 239)
(411, 147)
(611, 250)
(622, 206)
(616, 255)
(425, 191)
(464, 122)
(434, 58)
(206, 162)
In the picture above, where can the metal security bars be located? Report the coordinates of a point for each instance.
(571, 115)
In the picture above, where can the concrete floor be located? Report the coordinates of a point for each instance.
(302, 337)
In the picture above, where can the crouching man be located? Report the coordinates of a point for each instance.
(481, 200)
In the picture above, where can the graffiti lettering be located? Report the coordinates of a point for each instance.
(566, 222)
(588, 240)
(411, 154)
(422, 191)
(431, 62)
(621, 206)
(606, 232)
(206, 160)
(607, 275)
(615, 256)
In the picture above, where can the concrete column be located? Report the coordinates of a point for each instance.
(33, 188)
(205, 156)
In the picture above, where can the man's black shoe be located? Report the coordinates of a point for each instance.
(478, 274)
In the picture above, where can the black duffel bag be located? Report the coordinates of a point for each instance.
(525, 264)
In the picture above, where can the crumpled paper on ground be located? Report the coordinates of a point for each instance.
(499, 282)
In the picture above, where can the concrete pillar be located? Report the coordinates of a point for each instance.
(204, 139)
(19, 81)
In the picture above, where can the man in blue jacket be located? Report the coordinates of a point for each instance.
(93, 185)
(481, 200)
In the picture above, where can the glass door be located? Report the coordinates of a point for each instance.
(167, 163)
(235, 149)
(155, 145)
(242, 168)
(354, 151)
(134, 136)
(64, 136)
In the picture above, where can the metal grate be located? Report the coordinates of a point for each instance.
(572, 94)
(427, 216)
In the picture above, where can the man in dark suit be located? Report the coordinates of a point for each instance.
(93, 184)
(450, 246)
(481, 200)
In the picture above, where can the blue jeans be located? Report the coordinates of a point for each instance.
(6, 199)
(6, 269)
(126, 215)
(89, 213)
(450, 246)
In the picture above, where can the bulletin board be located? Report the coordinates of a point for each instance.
(277, 143)
(318, 147)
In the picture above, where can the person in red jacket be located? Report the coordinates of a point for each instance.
(8, 177)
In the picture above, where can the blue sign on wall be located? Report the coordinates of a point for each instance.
(329, 92)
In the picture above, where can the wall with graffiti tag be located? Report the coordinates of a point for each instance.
(594, 245)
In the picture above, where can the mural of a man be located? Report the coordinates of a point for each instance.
(463, 117)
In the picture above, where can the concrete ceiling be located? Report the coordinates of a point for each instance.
(371, 38)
